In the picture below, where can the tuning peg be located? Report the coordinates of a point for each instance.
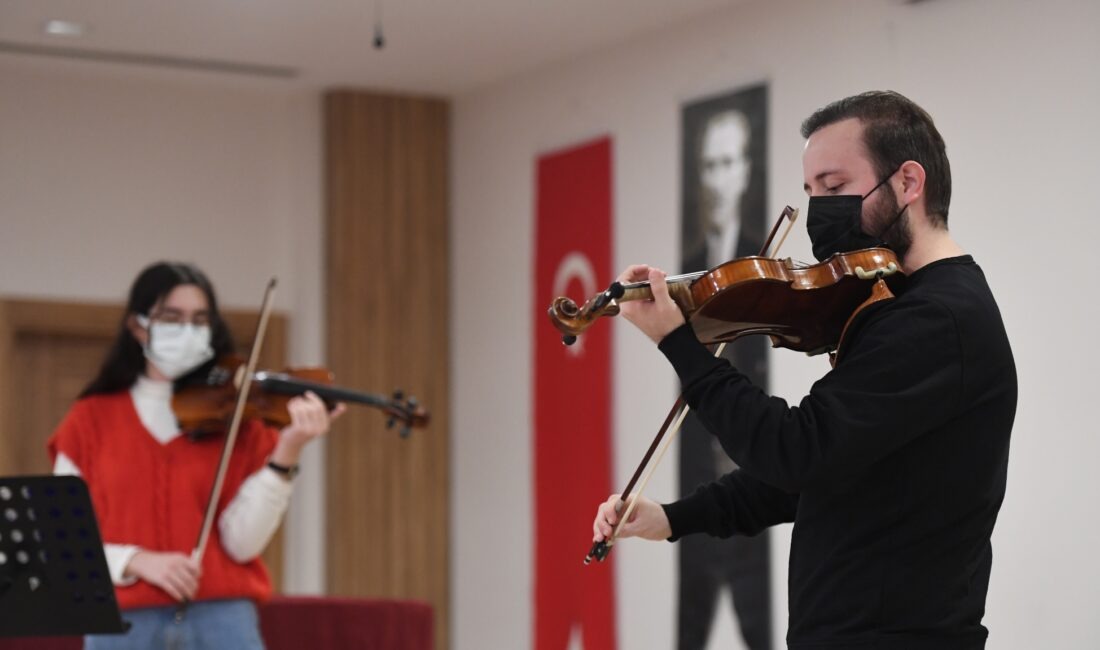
(412, 402)
(398, 395)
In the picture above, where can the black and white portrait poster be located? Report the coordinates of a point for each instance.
(724, 180)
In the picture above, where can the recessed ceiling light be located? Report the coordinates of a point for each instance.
(64, 28)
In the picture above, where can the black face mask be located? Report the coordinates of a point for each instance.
(835, 224)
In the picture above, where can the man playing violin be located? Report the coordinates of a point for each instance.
(149, 483)
(893, 467)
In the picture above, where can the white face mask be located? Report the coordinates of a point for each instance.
(176, 348)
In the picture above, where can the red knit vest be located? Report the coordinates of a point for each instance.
(154, 495)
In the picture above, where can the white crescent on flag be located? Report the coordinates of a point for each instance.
(575, 265)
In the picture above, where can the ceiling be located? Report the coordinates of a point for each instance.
(431, 46)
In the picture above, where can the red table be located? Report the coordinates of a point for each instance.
(316, 623)
(336, 623)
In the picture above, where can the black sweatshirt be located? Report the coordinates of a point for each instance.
(892, 468)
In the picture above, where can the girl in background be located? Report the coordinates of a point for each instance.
(150, 484)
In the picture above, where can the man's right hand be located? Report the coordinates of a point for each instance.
(177, 574)
(647, 520)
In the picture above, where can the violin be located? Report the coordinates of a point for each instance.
(803, 308)
(204, 407)
(807, 308)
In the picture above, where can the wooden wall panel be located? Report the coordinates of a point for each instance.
(387, 326)
(50, 350)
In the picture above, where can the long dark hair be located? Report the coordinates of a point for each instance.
(126, 359)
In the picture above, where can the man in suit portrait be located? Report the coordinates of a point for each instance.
(723, 219)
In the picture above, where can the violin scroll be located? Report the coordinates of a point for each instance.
(571, 320)
(406, 411)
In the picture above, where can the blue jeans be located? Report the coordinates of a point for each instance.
(205, 625)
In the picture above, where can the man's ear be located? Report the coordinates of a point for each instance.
(912, 182)
(136, 330)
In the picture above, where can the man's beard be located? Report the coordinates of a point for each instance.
(886, 223)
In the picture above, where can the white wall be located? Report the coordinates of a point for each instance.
(104, 169)
(1013, 87)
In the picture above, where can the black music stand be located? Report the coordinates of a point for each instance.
(53, 574)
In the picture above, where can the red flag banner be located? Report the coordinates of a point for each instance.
(572, 444)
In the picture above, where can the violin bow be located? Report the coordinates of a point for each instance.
(235, 423)
(791, 214)
(675, 418)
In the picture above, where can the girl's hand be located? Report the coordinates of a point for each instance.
(177, 574)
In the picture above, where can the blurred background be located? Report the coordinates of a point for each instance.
(381, 159)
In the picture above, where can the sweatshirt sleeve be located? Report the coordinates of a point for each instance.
(734, 504)
(900, 377)
(254, 513)
(252, 518)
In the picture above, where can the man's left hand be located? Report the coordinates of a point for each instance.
(658, 317)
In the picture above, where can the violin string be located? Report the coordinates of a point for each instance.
(672, 279)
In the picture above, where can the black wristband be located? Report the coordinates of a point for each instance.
(287, 472)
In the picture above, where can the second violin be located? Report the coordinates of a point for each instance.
(204, 408)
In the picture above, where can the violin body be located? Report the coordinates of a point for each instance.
(803, 309)
(800, 308)
(205, 408)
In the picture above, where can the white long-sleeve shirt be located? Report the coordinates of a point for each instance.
(247, 523)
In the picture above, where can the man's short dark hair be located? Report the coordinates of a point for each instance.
(895, 130)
